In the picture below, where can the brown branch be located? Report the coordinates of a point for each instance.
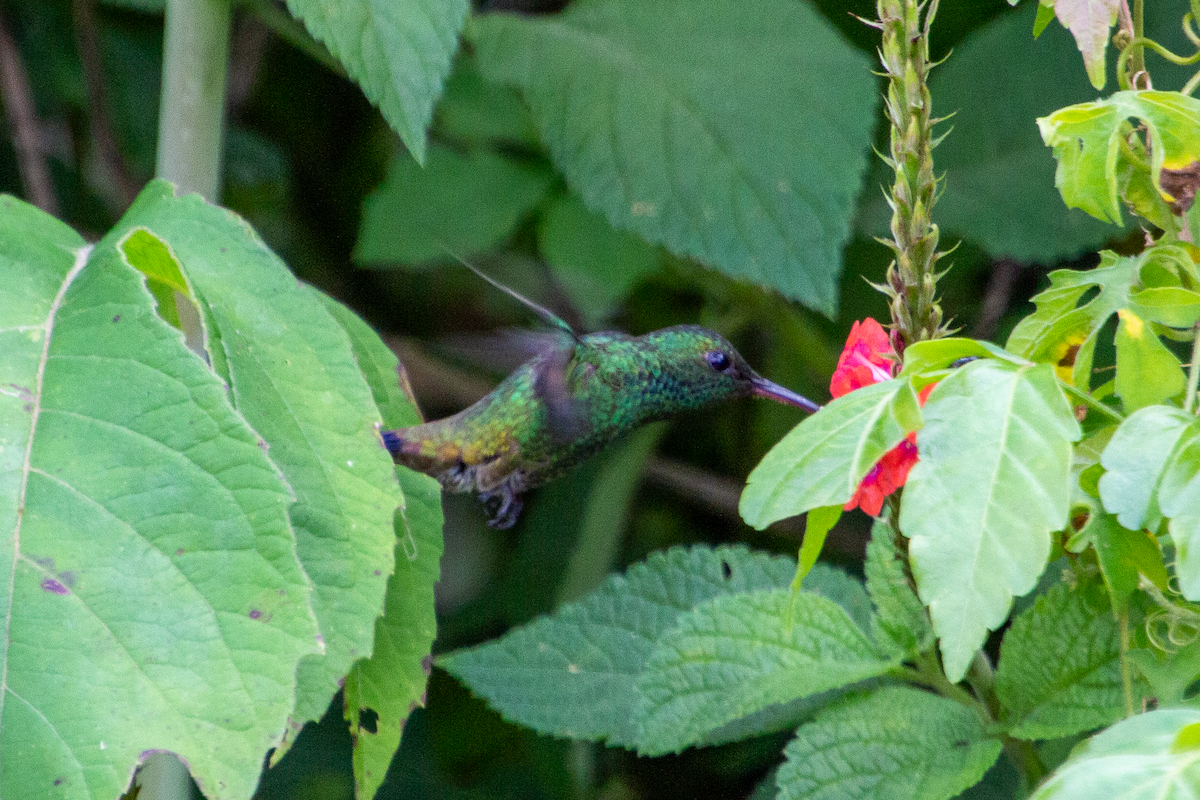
(1005, 272)
(88, 43)
(22, 118)
(721, 495)
(247, 50)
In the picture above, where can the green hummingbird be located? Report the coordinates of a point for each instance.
(572, 400)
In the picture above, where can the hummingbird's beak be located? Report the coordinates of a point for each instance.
(761, 387)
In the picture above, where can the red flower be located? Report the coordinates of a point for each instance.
(869, 358)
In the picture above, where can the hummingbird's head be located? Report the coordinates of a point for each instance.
(704, 367)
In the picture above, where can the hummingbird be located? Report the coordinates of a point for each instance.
(571, 400)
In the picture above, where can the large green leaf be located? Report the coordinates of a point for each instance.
(992, 483)
(575, 673)
(382, 690)
(1134, 461)
(1059, 670)
(896, 742)
(736, 133)
(293, 375)
(823, 460)
(596, 264)
(1151, 756)
(398, 51)
(152, 597)
(1179, 499)
(463, 202)
(737, 654)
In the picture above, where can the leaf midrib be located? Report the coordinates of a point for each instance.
(81, 260)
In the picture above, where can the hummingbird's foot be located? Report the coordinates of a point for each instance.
(508, 510)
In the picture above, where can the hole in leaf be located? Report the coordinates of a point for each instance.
(1088, 296)
(726, 570)
(368, 719)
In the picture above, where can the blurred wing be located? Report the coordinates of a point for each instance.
(561, 385)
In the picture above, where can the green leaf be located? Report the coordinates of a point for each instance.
(1124, 556)
(734, 655)
(816, 527)
(293, 376)
(896, 742)
(1059, 670)
(152, 594)
(1045, 15)
(387, 686)
(142, 251)
(992, 483)
(1064, 328)
(1169, 674)
(1179, 499)
(1061, 319)
(398, 51)
(480, 113)
(665, 117)
(1147, 372)
(1087, 144)
(933, 355)
(1134, 461)
(845, 590)
(823, 460)
(596, 263)
(901, 622)
(1137, 755)
(574, 673)
(417, 213)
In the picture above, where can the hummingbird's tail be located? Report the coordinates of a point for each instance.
(394, 441)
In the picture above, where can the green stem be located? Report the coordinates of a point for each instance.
(929, 673)
(1092, 402)
(1138, 61)
(1021, 753)
(1189, 399)
(164, 777)
(192, 113)
(1126, 671)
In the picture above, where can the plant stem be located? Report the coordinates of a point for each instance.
(1189, 399)
(1138, 59)
(192, 114)
(164, 777)
(911, 282)
(1126, 672)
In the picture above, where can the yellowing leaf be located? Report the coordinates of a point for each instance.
(1087, 145)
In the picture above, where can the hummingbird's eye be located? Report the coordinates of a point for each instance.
(718, 360)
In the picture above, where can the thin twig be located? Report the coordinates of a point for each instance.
(1005, 272)
(22, 117)
(247, 50)
(88, 41)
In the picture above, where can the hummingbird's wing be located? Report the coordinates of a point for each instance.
(561, 385)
